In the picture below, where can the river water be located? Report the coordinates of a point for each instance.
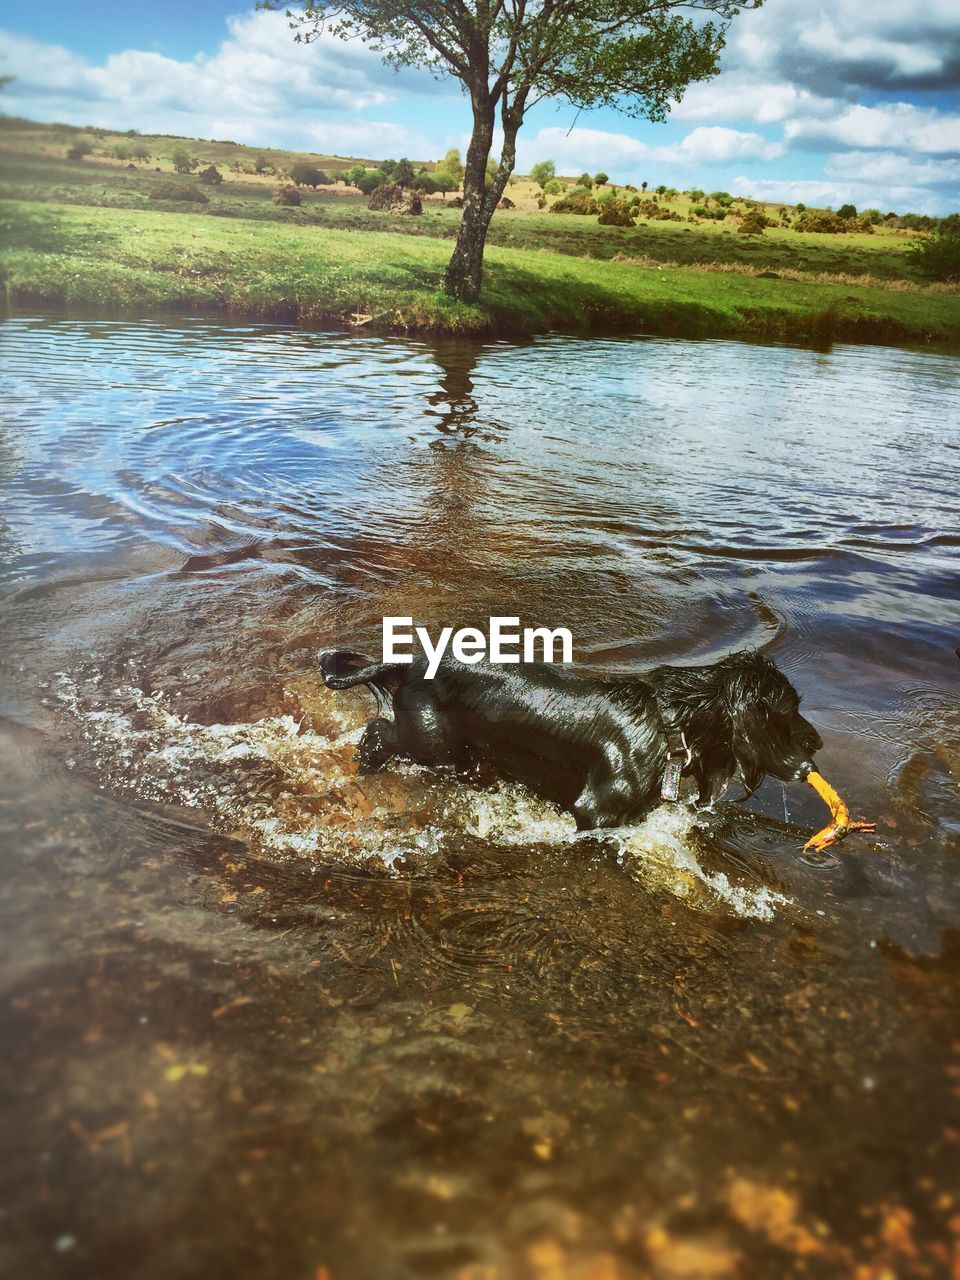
(264, 1018)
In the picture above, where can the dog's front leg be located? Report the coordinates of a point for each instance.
(377, 746)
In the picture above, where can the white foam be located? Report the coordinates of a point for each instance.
(259, 780)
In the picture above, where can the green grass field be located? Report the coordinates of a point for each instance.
(87, 233)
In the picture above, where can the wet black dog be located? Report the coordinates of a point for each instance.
(601, 748)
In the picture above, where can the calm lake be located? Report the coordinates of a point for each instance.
(264, 1018)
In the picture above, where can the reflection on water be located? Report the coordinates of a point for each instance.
(266, 1017)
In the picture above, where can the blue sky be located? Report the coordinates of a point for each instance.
(823, 101)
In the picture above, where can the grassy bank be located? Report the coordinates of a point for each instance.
(89, 234)
(142, 259)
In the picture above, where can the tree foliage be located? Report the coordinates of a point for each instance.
(542, 172)
(633, 55)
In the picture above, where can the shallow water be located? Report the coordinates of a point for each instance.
(263, 1017)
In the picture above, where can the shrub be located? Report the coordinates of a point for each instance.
(939, 257)
(541, 201)
(178, 191)
(305, 174)
(753, 222)
(370, 180)
(696, 194)
(861, 224)
(717, 215)
(355, 174)
(873, 216)
(211, 176)
(121, 151)
(723, 198)
(286, 194)
(578, 201)
(553, 187)
(800, 207)
(847, 211)
(390, 197)
(601, 179)
(79, 150)
(261, 164)
(585, 181)
(616, 213)
(822, 221)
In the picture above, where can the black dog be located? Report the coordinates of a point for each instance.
(607, 750)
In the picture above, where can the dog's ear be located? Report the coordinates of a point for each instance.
(749, 681)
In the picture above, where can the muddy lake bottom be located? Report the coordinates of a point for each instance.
(265, 1017)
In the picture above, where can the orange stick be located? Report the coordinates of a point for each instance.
(839, 812)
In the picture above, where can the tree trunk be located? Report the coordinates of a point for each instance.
(465, 268)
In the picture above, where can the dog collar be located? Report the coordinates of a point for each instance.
(679, 756)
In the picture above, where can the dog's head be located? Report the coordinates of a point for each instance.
(768, 733)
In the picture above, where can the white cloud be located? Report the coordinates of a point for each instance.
(818, 193)
(891, 167)
(576, 149)
(896, 124)
(257, 79)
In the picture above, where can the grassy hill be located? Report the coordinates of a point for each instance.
(88, 232)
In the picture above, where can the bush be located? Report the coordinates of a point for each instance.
(211, 176)
(616, 213)
(847, 211)
(578, 201)
(723, 198)
(286, 194)
(178, 191)
(585, 181)
(79, 150)
(822, 221)
(601, 179)
(753, 222)
(304, 174)
(715, 215)
(371, 180)
(939, 257)
(390, 197)
(553, 187)
(873, 216)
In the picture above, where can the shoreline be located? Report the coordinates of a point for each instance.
(118, 261)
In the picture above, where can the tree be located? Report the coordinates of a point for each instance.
(634, 55)
(542, 172)
(443, 181)
(601, 179)
(79, 149)
(847, 211)
(140, 151)
(355, 174)
(403, 174)
(452, 163)
(182, 160)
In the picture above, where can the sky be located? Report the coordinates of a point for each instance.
(824, 101)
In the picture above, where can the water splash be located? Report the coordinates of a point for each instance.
(292, 790)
